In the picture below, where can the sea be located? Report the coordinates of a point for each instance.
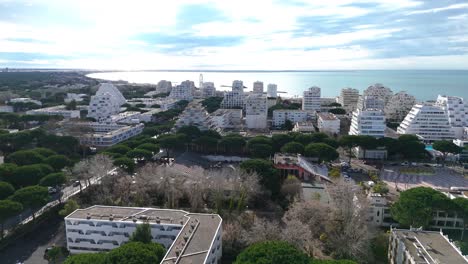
(423, 84)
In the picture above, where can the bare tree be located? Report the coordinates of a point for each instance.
(262, 230)
(291, 187)
(298, 234)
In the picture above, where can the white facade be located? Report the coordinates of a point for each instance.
(235, 97)
(370, 122)
(258, 87)
(163, 86)
(129, 117)
(238, 86)
(105, 103)
(349, 98)
(311, 100)
(25, 100)
(194, 115)
(328, 122)
(256, 111)
(399, 106)
(74, 97)
(208, 90)
(427, 121)
(272, 90)
(188, 238)
(106, 135)
(371, 102)
(304, 127)
(55, 110)
(379, 91)
(165, 103)
(226, 118)
(183, 91)
(281, 115)
(457, 111)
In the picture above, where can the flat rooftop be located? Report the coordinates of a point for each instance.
(327, 116)
(433, 245)
(193, 242)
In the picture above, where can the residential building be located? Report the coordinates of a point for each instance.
(399, 106)
(258, 87)
(281, 115)
(379, 91)
(371, 102)
(370, 122)
(187, 237)
(183, 91)
(302, 167)
(462, 143)
(417, 246)
(105, 103)
(226, 118)
(326, 104)
(165, 103)
(428, 121)
(237, 86)
(304, 127)
(311, 100)
(256, 111)
(25, 100)
(59, 110)
(74, 97)
(272, 90)
(349, 98)
(379, 210)
(457, 112)
(208, 89)
(109, 134)
(235, 97)
(129, 117)
(194, 115)
(375, 154)
(328, 123)
(163, 86)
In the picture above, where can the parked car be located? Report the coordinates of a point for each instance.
(76, 183)
(405, 163)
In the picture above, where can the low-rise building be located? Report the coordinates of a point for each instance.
(376, 154)
(109, 134)
(304, 127)
(188, 237)
(301, 167)
(74, 97)
(25, 100)
(129, 117)
(328, 123)
(417, 246)
(281, 115)
(55, 110)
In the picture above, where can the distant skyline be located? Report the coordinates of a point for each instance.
(234, 35)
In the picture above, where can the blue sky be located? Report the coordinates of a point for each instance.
(263, 35)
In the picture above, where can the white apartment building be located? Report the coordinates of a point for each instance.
(106, 135)
(272, 90)
(55, 111)
(235, 97)
(457, 112)
(370, 122)
(208, 90)
(129, 117)
(163, 86)
(74, 97)
(399, 106)
(226, 118)
(281, 115)
(188, 237)
(183, 91)
(428, 121)
(238, 85)
(379, 91)
(25, 100)
(165, 103)
(305, 127)
(328, 123)
(105, 103)
(258, 87)
(371, 102)
(194, 115)
(311, 99)
(379, 210)
(349, 98)
(256, 111)
(417, 246)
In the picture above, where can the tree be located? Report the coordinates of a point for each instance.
(367, 142)
(136, 253)
(321, 151)
(7, 170)
(206, 143)
(45, 152)
(288, 125)
(53, 179)
(259, 140)
(232, 144)
(86, 258)
(291, 187)
(58, 162)
(304, 139)
(24, 157)
(54, 253)
(125, 163)
(381, 187)
(212, 103)
(31, 197)
(260, 150)
(191, 131)
(149, 147)
(8, 209)
(446, 147)
(269, 176)
(272, 252)
(71, 105)
(462, 210)
(70, 206)
(120, 149)
(30, 174)
(170, 142)
(293, 147)
(140, 154)
(416, 205)
(142, 234)
(6, 189)
(280, 140)
(337, 111)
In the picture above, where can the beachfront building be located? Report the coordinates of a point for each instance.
(226, 118)
(428, 121)
(371, 102)
(208, 89)
(399, 106)
(105, 103)
(183, 91)
(311, 99)
(235, 97)
(272, 90)
(457, 112)
(256, 111)
(348, 99)
(281, 115)
(369, 122)
(187, 237)
(258, 87)
(328, 123)
(59, 110)
(379, 91)
(194, 115)
(415, 246)
(108, 134)
(163, 86)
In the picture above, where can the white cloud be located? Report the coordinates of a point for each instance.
(439, 9)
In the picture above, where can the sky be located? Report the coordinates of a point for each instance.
(234, 35)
